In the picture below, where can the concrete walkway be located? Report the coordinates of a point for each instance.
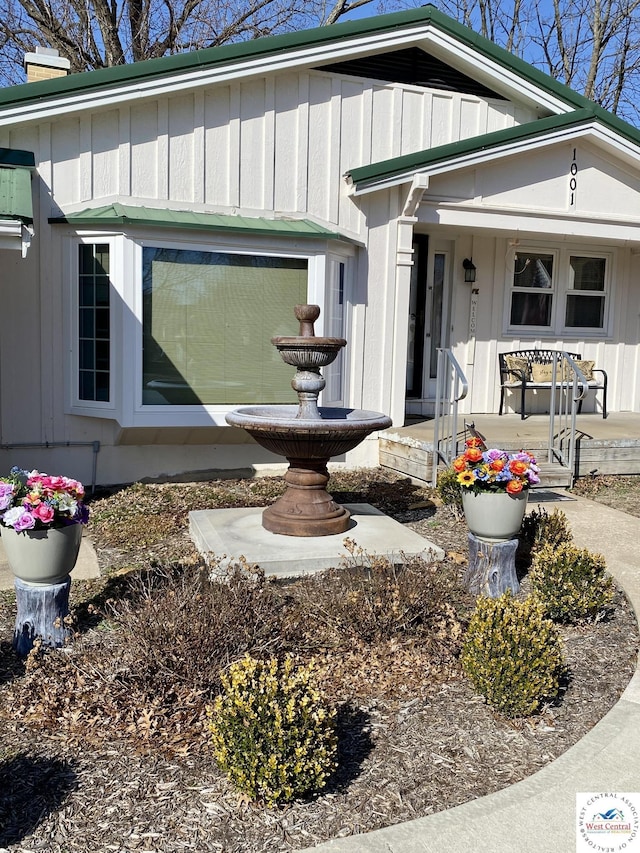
(86, 567)
(538, 815)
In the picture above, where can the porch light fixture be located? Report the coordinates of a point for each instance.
(469, 270)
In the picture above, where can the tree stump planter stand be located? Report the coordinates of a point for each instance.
(41, 612)
(492, 567)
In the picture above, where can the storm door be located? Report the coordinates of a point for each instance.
(429, 300)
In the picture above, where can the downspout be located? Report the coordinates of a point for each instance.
(95, 445)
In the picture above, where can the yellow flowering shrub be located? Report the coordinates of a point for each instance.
(272, 733)
(570, 583)
(512, 654)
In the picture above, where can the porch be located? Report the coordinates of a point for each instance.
(610, 446)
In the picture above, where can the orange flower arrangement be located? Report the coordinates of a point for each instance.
(482, 470)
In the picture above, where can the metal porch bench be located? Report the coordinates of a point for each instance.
(517, 369)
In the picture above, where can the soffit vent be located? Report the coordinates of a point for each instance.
(412, 66)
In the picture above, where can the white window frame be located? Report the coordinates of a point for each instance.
(126, 367)
(75, 405)
(559, 291)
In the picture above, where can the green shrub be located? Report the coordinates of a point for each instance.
(540, 528)
(449, 490)
(512, 654)
(272, 733)
(570, 583)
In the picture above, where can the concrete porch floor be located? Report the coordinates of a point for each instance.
(501, 430)
(610, 446)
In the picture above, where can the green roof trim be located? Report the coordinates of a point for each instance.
(15, 194)
(120, 214)
(387, 169)
(107, 78)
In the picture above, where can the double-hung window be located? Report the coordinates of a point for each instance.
(559, 292)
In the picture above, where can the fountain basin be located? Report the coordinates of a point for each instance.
(306, 508)
(277, 428)
(308, 353)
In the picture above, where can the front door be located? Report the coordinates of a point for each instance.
(429, 301)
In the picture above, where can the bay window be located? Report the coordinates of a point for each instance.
(178, 334)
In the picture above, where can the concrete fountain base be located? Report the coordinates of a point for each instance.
(228, 534)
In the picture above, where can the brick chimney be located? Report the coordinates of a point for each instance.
(44, 64)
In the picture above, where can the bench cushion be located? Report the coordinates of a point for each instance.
(586, 367)
(517, 363)
(541, 372)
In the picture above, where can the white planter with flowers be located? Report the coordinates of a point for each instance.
(41, 523)
(495, 488)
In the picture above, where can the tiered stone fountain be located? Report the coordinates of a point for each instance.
(307, 435)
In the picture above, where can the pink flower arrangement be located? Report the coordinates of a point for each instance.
(30, 500)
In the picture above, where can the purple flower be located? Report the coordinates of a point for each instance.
(19, 518)
(6, 495)
(492, 455)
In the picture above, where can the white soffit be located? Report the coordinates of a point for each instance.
(519, 222)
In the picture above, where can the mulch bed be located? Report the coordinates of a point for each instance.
(414, 739)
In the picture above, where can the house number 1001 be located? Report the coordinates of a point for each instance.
(573, 183)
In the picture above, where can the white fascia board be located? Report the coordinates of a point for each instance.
(530, 222)
(449, 49)
(597, 132)
(492, 74)
(15, 235)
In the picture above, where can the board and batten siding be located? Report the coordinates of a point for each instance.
(618, 354)
(278, 143)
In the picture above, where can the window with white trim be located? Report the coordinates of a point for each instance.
(207, 323)
(178, 334)
(559, 291)
(94, 322)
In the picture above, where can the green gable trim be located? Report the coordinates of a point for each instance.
(113, 215)
(15, 194)
(365, 176)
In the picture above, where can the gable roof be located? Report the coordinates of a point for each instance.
(426, 27)
(499, 143)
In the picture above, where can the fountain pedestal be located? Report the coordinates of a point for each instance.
(306, 508)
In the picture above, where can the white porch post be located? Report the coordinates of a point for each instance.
(404, 264)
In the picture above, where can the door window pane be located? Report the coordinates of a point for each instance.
(439, 262)
(208, 320)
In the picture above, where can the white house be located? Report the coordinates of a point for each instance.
(180, 207)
